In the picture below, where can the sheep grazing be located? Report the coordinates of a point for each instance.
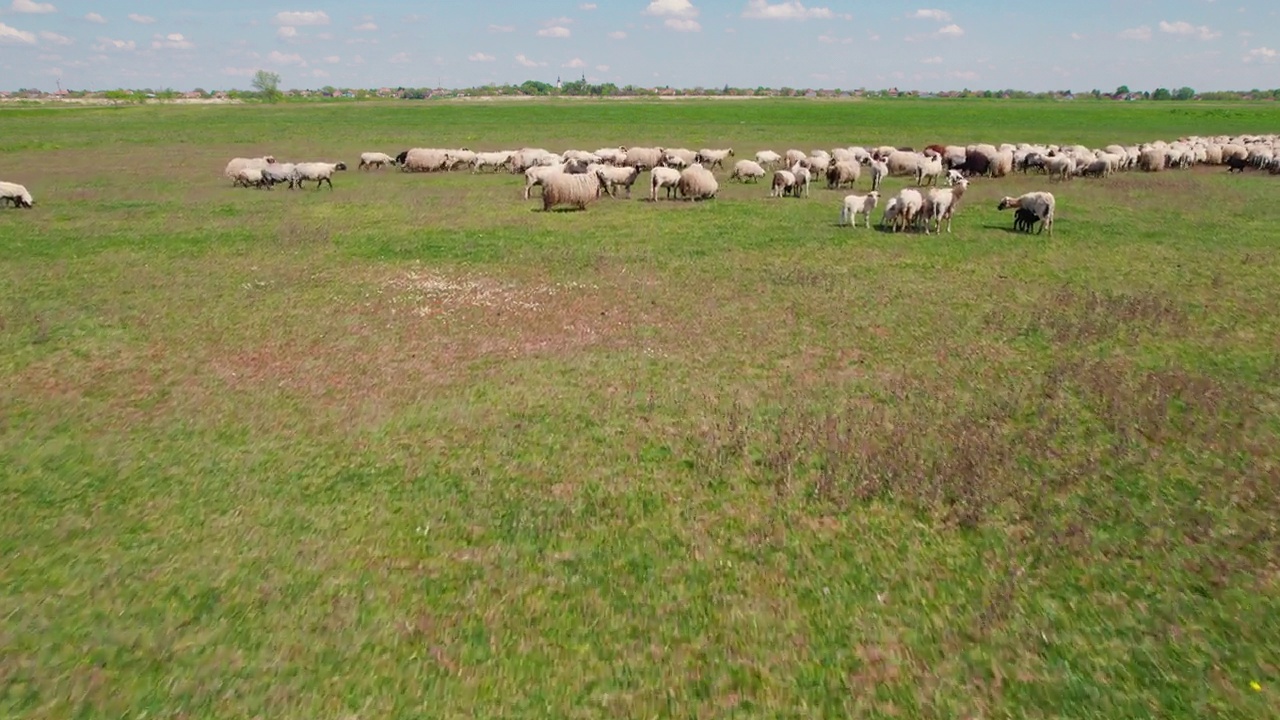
(576, 189)
(250, 177)
(1039, 203)
(1024, 220)
(768, 158)
(854, 204)
(371, 160)
(803, 177)
(879, 171)
(784, 182)
(942, 203)
(663, 177)
(321, 172)
(910, 204)
(16, 194)
(612, 178)
(713, 158)
(747, 170)
(697, 183)
(237, 164)
(844, 172)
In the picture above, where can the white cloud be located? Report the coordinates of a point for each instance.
(927, 14)
(617, 35)
(275, 57)
(935, 60)
(399, 58)
(239, 72)
(1181, 27)
(963, 75)
(55, 38)
(672, 8)
(142, 19)
(319, 73)
(287, 31)
(1142, 32)
(109, 44)
(1261, 55)
(830, 40)
(1077, 36)
(682, 25)
(562, 20)
(481, 57)
(587, 6)
(555, 31)
(602, 68)
(95, 18)
(952, 30)
(35, 8)
(366, 27)
(310, 17)
(9, 35)
(333, 59)
(501, 28)
(172, 41)
(575, 63)
(527, 62)
(790, 10)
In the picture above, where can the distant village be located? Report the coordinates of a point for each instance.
(581, 88)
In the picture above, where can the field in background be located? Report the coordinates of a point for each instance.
(409, 448)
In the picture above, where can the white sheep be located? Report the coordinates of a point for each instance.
(910, 205)
(662, 177)
(713, 158)
(250, 177)
(1039, 203)
(613, 177)
(793, 157)
(493, 160)
(803, 177)
(854, 204)
(645, 158)
(371, 160)
(321, 172)
(680, 157)
(278, 172)
(577, 189)
(890, 218)
(237, 164)
(942, 204)
(768, 158)
(843, 172)
(461, 157)
(879, 171)
(784, 182)
(537, 175)
(612, 156)
(929, 170)
(16, 194)
(698, 183)
(422, 160)
(747, 170)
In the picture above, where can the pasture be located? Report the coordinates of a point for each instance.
(411, 448)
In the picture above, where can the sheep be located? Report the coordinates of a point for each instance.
(250, 177)
(930, 169)
(903, 163)
(954, 176)
(1041, 203)
(845, 172)
(1024, 220)
(943, 204)
(461, 157)
(802, 180)
(910, 203)
(1063, 166)
(879, 171)
(747, 170)
(768, 158)
(237, 164)
(663, 177)
(644, 158)
(16, 194)
(688, 157)
(1001, 163)
(673, 160)
(612, 156)
(422, 160)
(794, 156)
(818, 164)
(525, 158)
(854, 204)
(612, 177)
(537, 175)
(321, 172)
(1153, 159)
(697, 183)
(713, 158)
(581, 156)
(1097, 168)
(277, 173)
(371, 160)
(494, 160)
(577, 189)
(784, 181)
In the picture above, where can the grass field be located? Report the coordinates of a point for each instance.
(411, 449)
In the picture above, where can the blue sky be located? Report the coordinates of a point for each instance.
(933, 45)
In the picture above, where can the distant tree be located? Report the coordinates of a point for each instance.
(1122, 90)
(1162, 94)
(268, 85)
(1184, 93)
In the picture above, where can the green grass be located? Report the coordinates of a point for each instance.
(409, 448)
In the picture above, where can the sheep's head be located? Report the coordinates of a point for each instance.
(1006, 203)
(340, 166)
(874, 195)
(269, 158)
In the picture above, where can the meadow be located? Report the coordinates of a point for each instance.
(413, 448)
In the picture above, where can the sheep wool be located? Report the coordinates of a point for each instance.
(16, 194)
(854, 204)
(663, 177)
(578, 190)
(1040, 203)
(747, 170)
(371, 160)
(697, 183)
(320, 172)
(237, 164)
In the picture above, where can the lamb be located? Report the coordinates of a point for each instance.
(577, 189)
(954, 176)
(237, 164)
(250, 177)
(697, 183)
(891, 211)
(784, 182)
(910, 204)
(713, 158)
(16, 194)
(1024, 220)
(321, 172)
(422, 160)
(845, 172)
(930, 169)
(371, 160)
(879, 171)
(943, 204)
(1097, 168)
(854, 204)
(277, 173)
(662, 177)
(768, 158)
(1040, 203)
(612, 177)
(746, 170)
(462, 157)
(494, 160)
